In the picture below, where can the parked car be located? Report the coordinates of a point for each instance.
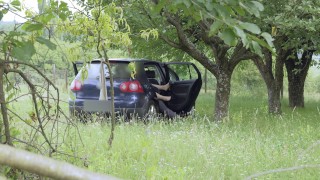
(134, 96)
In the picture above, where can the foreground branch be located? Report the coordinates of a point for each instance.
(44, 166)
(273, 171)
(113, 120)
(4, 110)
(34, 99)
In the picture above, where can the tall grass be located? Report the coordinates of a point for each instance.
(251, 141)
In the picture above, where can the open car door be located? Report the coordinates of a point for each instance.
(185, 85)
(76, 67)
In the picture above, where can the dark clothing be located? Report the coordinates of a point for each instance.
(168, 112)
(162, 106)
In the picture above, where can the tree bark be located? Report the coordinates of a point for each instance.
(274, 103)
(4, 110)
(205, 80)
(296, 92)
(66, 84)
(44, 166)
(297, 70)
(273, 80)
(222, 96)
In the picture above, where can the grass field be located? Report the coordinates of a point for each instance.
(251, 141)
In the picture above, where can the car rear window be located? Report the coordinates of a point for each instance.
(120, 70)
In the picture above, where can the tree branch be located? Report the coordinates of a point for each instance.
(33, 93)
(189, 47)
(4, 109)
(254, 176)
(240, 53)
(45, 166)
(170, 42)
(162, 36)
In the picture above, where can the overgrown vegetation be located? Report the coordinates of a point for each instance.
(239, 140)
(251, 141)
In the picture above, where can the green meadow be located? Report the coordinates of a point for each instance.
(248, 143)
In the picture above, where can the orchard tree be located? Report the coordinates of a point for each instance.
(211, 32)
(294, 26)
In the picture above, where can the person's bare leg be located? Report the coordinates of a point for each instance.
(162, 87)
(164, 98)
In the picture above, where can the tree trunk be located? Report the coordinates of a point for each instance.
(222, 96)
(296, 91)
(54, 74)
(274, 103)
(273, 81)
(66, 83)
(4, 110)
(205, 80)
(297, 72)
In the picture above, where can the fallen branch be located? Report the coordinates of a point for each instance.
(44, 166)
(282, 170)
(315, 144)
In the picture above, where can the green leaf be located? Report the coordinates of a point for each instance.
(223, 12)
(46, 42)
(15, 3)
(258, 5)
(242, 35)
(47, 17)
(24, 50)
(239, 10)
(256, 48)
(10, 96)
(32, 27)
(240, 32)
(209, 6)
(251, 8)
(250, 27)
(63, 10)
(229, 37)
(187, 3)
(14, 131)
(261, 42)
(214, 28)
(5, 11)
(1, 15)
(268, 38)
(63, 16)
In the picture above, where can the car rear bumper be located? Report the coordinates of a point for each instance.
(104, 107)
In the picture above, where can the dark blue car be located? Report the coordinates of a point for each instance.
(134, 95)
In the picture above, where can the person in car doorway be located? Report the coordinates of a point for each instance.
(164, 88)
(161, 98)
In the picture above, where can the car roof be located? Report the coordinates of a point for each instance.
(94, 61)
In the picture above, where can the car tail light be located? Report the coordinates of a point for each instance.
(131, 86)
(75, 85)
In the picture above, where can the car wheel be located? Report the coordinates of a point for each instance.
(79, 116)
(151, 112)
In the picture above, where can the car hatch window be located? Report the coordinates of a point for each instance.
(120, 70)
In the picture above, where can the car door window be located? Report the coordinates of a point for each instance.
(153, 73)
(182, 72)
